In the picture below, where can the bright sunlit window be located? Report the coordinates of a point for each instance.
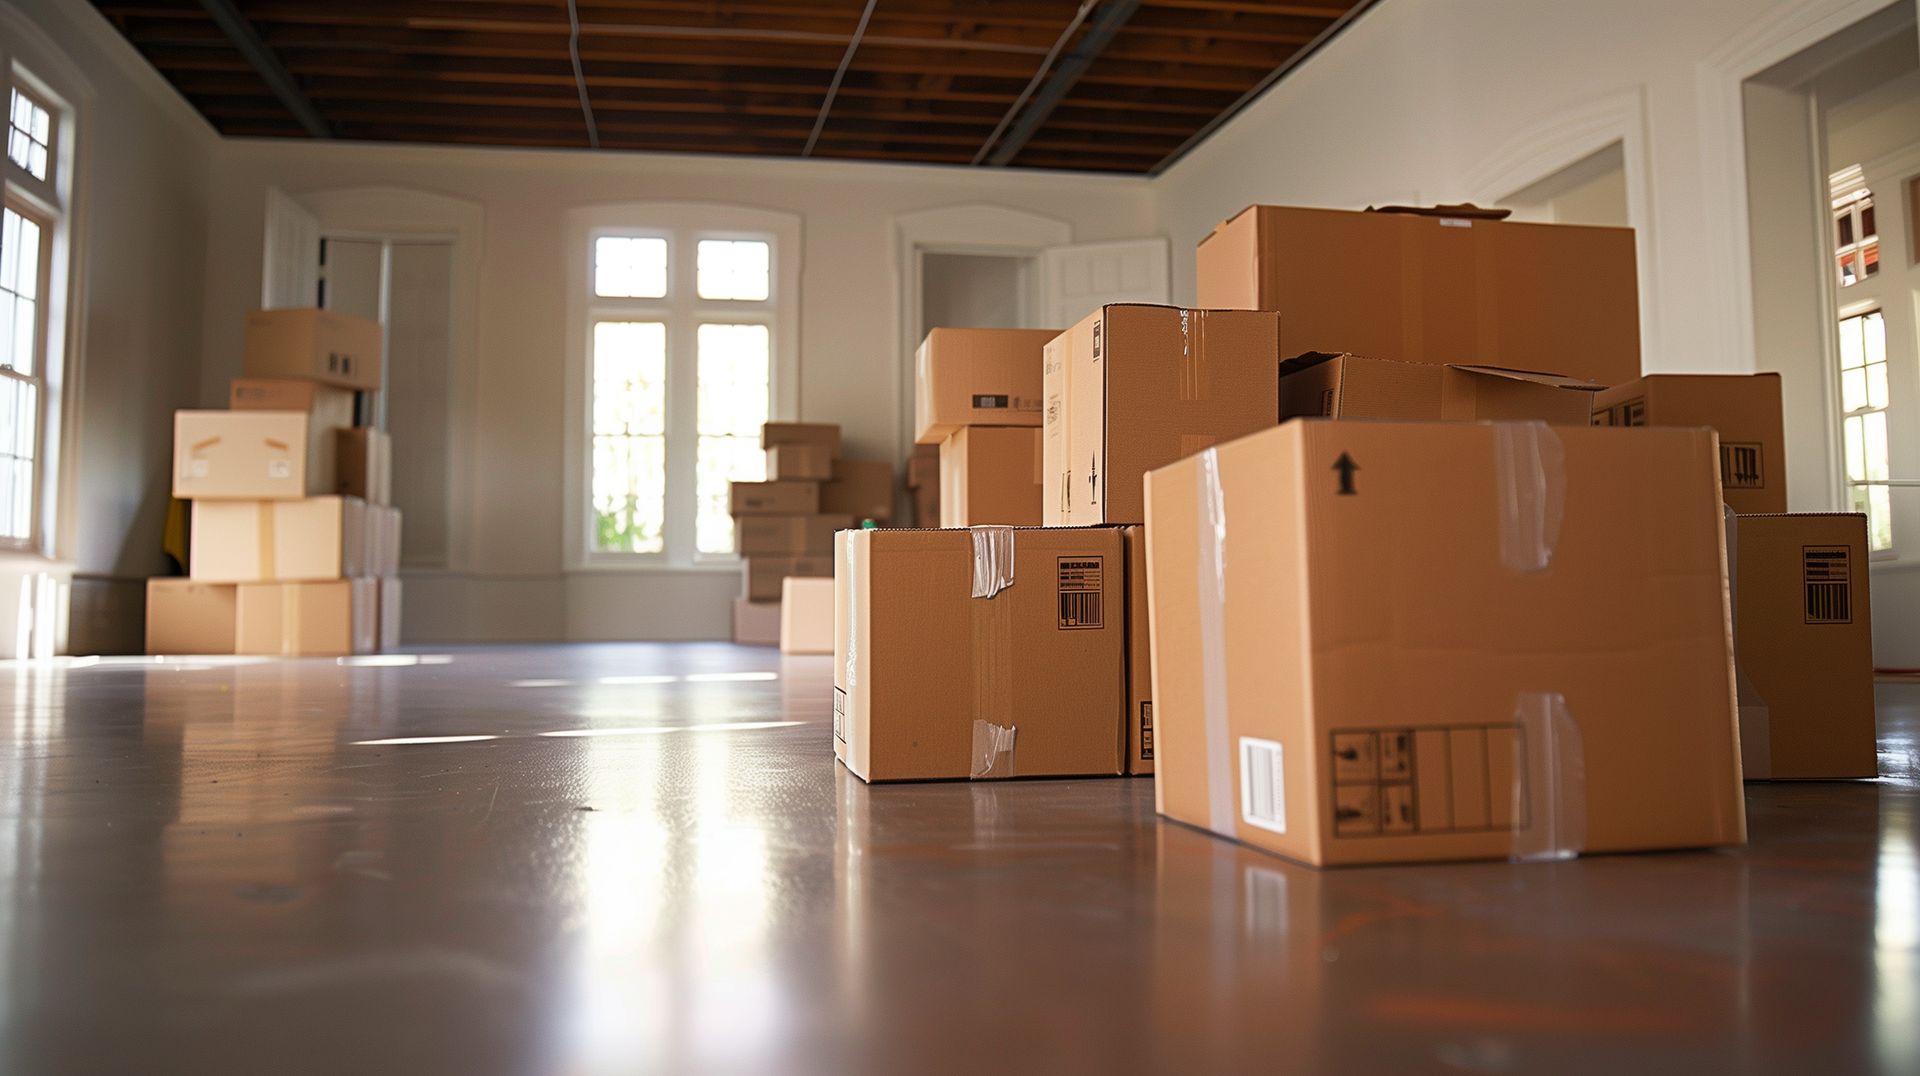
(630, 267)
(1863, 405)
(33, 229)
(29, 134)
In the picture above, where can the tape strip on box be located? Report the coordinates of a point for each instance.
(1549, 781)
(1530, 481)
(1211, 573)
(994, 735)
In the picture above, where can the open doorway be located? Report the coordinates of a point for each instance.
(1592, 190)
(975, 291)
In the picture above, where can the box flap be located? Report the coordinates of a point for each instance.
(1535, 377)
(1463, 210)
(1307, 361)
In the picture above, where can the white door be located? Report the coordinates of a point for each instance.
(290, 260)
(1076, 280)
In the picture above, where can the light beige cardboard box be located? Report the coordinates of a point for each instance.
(185, 617)
(773, 498)
(760, 577)
(334, 619)
(1383, 642)
(1139, 656)
(329, 409)
(245, 455)
(1136, 387)
(985, 653)
(806, 615)
(977, 377)
(787, 536)
(862, 489)
(319, 345)
(1803, 642)
(799, 462)
(313, 539)
(756, 623)
(822, 434)
(364, 464)
(1433, 286)
(990, 474)
(1352, 386)
(1744, 408)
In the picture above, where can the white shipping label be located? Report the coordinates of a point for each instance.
(1455, 222)
(1263, 784)
(198, 468)
(279, 469)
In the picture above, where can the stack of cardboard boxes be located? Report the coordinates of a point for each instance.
(295, 546)
(977, 400)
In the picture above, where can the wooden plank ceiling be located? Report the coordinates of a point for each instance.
(1099, 85)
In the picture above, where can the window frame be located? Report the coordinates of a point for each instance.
(1843, 416)
(43, 280)
(23, 83)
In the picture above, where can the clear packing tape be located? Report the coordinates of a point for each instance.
(994, 734)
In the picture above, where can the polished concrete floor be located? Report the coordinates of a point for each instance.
(644, 859)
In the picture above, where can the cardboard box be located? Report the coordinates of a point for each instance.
(760, 577)
(822, 434)
(312, 539)
(990, 474)
(806, 463)
(365, 464)
(1744, 408)
(388, 591)
(862, 489)
(1390, 642)
(995, 652)
(1133, 387)
(806, 615)
(923, 467)
(245, 455)
(1353, 386)
(977, 377)
(328, 408)
(1803, 644)
(774, 498)
(185, 617)
(926, 506)
(787, 536)
(333, 619)
(1139, 656)
(756, 623)
(1436, 289)
(319, 345)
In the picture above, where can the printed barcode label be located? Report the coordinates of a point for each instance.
(1740, 466)
(1263, 784)
(840, 714)
(991, 402)
(1828, 575)
(1082, 583)
(1626, 413)
(1326, 402)
(1146, 730)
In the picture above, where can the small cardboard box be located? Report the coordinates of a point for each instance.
(389, 596)
(1744, 408)
(1139, 656)
(328, 408)
(977, 377)
(319, 345)
(312, 539)
(990, 475)
(756, 623)
(365, 464)
(1803, 645)
(787, 536)
(862, 489)
(923, 467)
(1432, 287)
(995, 652)
(1134, 387)
(1353, 386)
(185, 617)
(333, 619)
(1385, 642)
(245, 455)
(806, 615)
(774, 498)
(805, 463)
(820, 434)
(760, 577)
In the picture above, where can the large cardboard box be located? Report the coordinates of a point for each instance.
(315, 538)
(1353, 386)
(185, 617)
(1744, 408)
(1132, 388)
(319, 345)
(1437, 289)
(756, 623)
(1803, 644)
(1383, 642)
(990, 474)
(787, 536)
(994, 652)
(388, 591)
(977, 377)
(365, 464)
(245, 455)
(1139, 656)
(799, 462)
(821, 434)
(862, 489)
(806, 615)
(760, 577)
(333, 619)
(329, 408)
(774, 498)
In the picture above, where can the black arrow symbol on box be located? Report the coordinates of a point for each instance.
(1346, 467)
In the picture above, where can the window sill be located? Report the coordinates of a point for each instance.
(20, 560)
(615, 567)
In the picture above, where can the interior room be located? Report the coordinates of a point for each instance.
(880, 535)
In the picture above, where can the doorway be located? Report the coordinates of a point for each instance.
(975, 291)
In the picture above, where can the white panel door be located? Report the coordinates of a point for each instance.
(290, 261)
(1078, 279)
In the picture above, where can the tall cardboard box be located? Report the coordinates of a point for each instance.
(1388, 642)
(787, 536)
(185, 617)
(977, 377)
(756, 623)
(799, 462)
(1433, 288)
(773, 498)
(1139, 656)
(825, 435)
(1803, 643)
(761, 577)
(245, 455)
(862, 489)
(364, 464)
(806, 615)
(318, 345)
(1744, 408)
(312, 539)
(990, 474)
(329, 409)
(334, 619)
(1134, 387)
(1353, 386)
(985, 653)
